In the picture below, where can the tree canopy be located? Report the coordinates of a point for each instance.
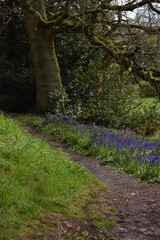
(131, 42)
(107, 24)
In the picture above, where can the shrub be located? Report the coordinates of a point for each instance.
(147, 90)
(145, 119)
(103, 96)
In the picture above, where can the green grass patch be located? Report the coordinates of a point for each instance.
(36, 179)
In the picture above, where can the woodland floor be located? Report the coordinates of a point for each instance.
(137, 204)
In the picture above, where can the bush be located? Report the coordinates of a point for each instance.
(147, 90)
(103, 96)
(144, 120)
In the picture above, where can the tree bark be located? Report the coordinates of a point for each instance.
(45, 63)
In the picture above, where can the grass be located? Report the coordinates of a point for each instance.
(139, 156)
(147, 102)
(151, 100)
(36, 179)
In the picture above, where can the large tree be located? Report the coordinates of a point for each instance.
(106, 24)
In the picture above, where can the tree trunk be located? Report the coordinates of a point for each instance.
(45, 63)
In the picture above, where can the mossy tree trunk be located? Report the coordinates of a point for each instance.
(46, 68)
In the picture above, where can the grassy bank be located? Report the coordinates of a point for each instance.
(36, 180)
(139, 156)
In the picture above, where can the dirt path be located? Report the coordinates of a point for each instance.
(137, 203)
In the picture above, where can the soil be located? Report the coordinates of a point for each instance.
(137, 204)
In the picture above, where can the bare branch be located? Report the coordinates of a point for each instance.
(153, 8)
(129, 6)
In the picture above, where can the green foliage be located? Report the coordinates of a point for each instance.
(145, 119)
(103, 96)
(100, 95)
(147, 90)
(58, 101)
(36, 179)
(73, 50)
